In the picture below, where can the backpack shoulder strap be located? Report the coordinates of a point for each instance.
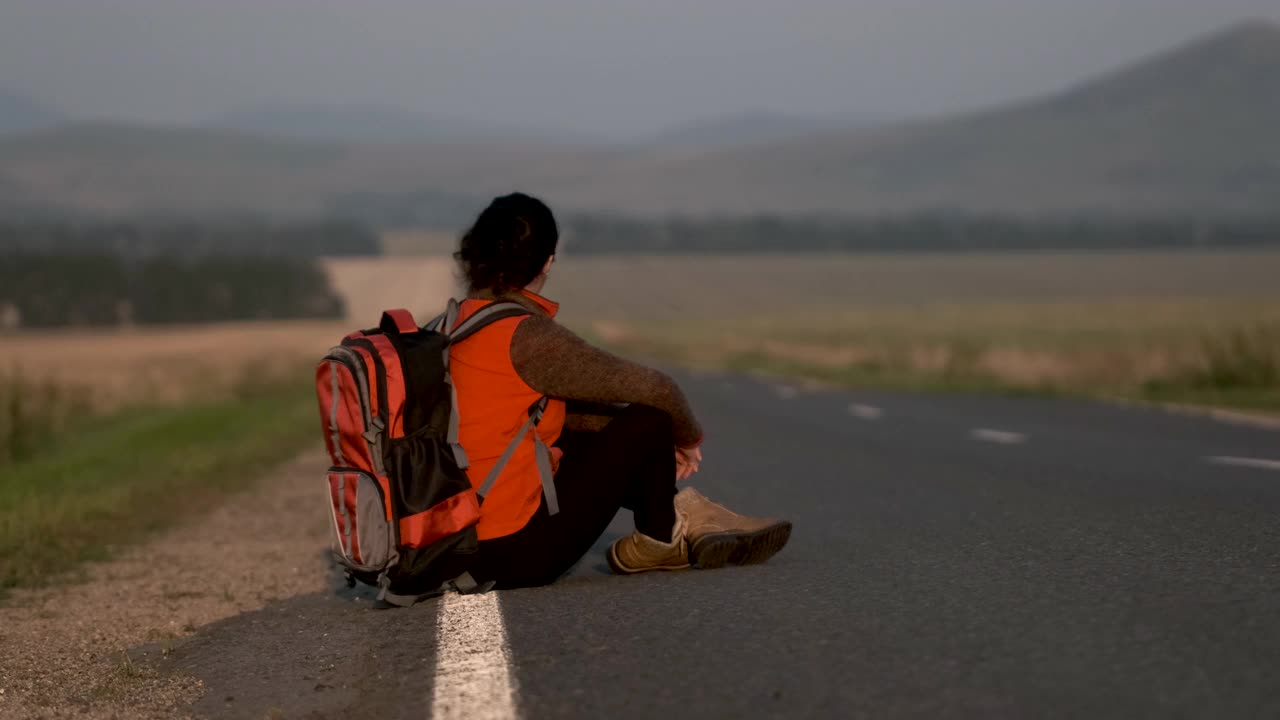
(484, 317)
(487, 315)
(542, 455)
(444, 320)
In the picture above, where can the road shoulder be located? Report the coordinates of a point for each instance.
(98, 648)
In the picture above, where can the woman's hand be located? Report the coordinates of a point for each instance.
(687, 461)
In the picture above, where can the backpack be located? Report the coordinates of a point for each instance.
(403, 511)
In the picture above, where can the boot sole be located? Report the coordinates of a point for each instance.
(738, 548)
(617, 567)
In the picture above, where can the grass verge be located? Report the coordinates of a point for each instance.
(32, 412)
(115, 479)
(1187, 390)
(1184, 352)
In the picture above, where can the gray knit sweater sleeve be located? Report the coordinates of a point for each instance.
(556, 362)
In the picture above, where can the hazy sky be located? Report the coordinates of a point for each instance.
(615, 66)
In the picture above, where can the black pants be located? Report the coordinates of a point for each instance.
(630, 463)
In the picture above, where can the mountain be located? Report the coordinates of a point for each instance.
(1194, 129)
(758, 127)
(20, 112)
(122, 169)
(128, 169)
(372, 124)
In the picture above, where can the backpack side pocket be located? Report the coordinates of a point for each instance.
(363, 536)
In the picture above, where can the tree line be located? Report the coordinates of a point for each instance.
(187, 237)
(927, 232)
(920, 231)
(48, 289)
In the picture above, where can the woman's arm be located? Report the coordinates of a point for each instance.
(556, 362)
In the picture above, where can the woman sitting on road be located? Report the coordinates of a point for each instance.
(603, 457)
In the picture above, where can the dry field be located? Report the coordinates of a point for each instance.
(1113, 323)
(167, 365)
(665, 289)
(420, 243)
(371, 285)
(1028, 319)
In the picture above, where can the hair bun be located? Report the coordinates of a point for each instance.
(509, 244)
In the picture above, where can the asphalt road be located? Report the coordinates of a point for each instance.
(953, 556)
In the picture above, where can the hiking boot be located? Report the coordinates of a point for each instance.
(718, 536)
(637, 552)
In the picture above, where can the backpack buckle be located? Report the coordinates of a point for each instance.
(372, 434)
(537, 409)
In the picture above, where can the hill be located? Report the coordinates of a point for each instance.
(372, 124)
(19, 112)
(758, 127)
(129, 170)
(1195, 129)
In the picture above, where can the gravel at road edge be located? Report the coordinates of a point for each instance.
(90, 649)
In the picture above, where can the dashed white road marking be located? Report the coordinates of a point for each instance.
(1002, 437)
(786, 392)
(866, 412)
(1257, 463)
(473, 661)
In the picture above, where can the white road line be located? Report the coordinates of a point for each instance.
(1002, 437)
(786, 392)
(866, 412)
(1257, 463)
(473, 661)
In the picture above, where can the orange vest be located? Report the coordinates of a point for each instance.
(493, 404)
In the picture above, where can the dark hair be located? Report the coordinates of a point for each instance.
(508, 245)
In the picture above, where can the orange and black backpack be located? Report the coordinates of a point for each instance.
(404, 512)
